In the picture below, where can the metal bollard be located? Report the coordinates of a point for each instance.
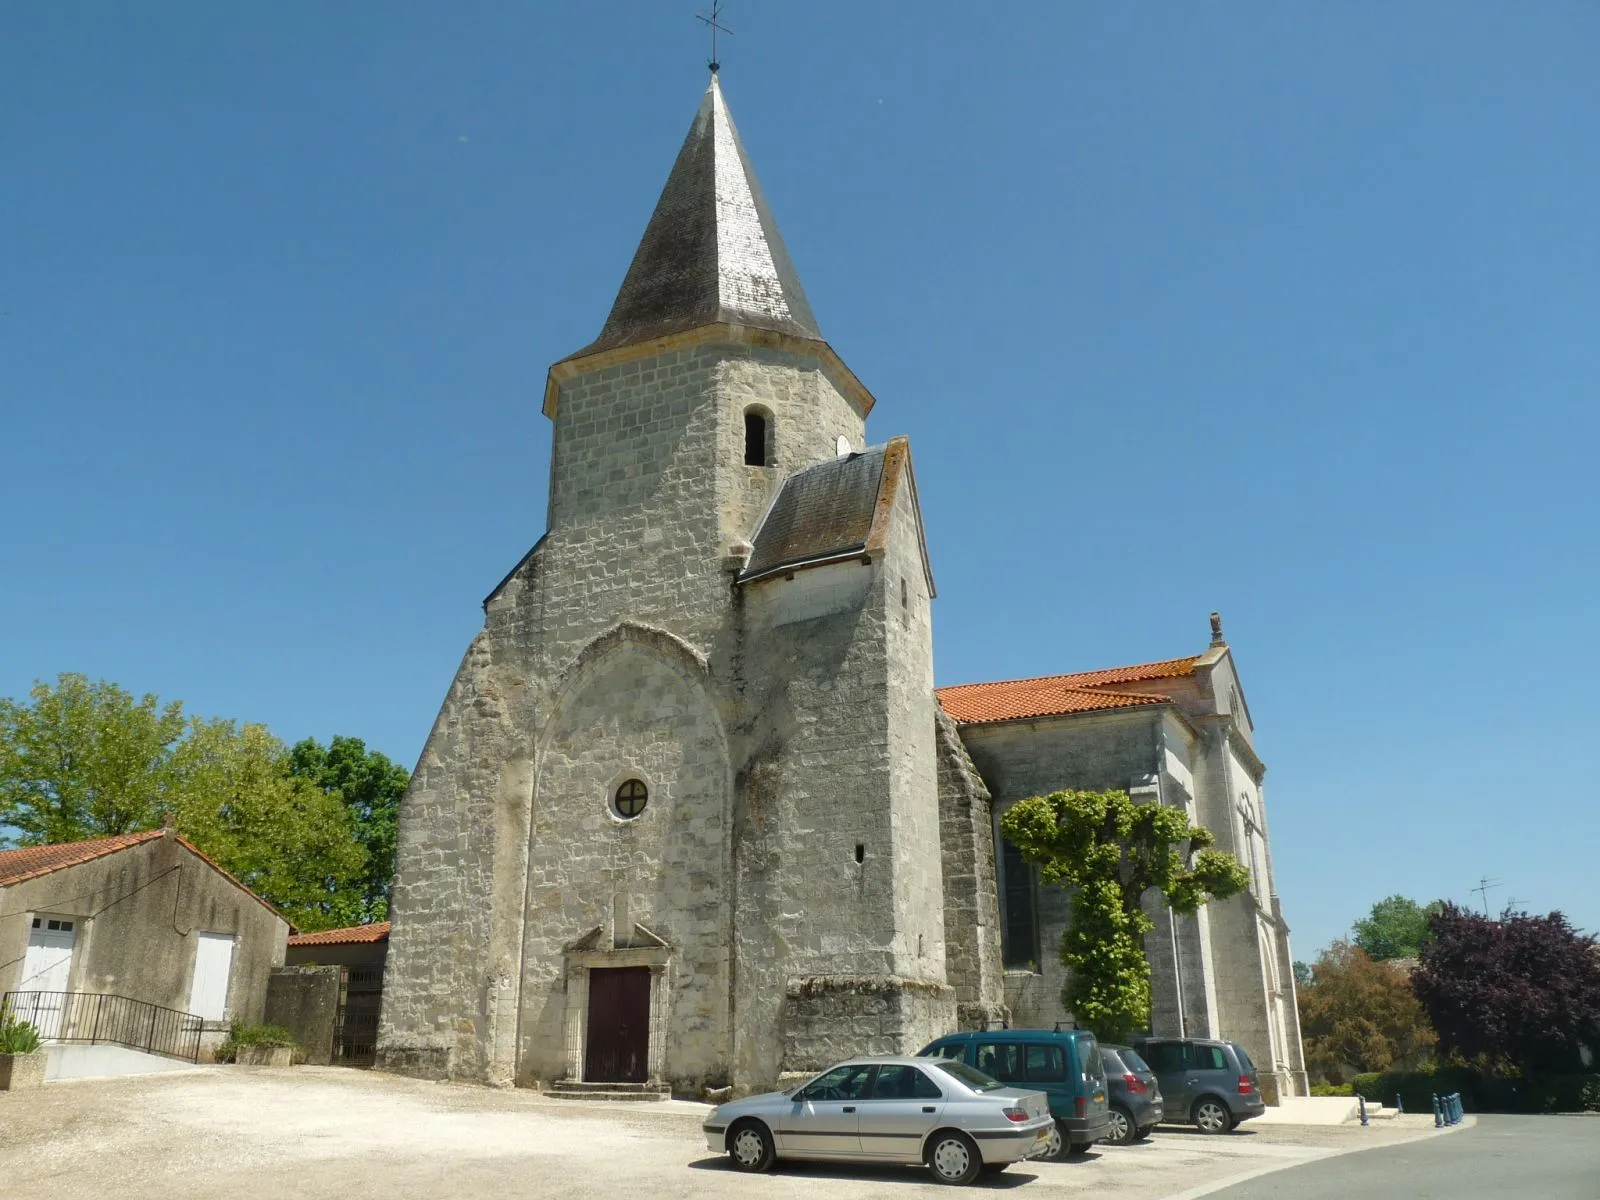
(1438, 1112)
(1361, 1101)
(1399, 1104)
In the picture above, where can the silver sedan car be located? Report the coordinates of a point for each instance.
(953, 1117)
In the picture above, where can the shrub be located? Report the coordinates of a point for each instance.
(17, 1037)
(240, 1035)
(1333, 1089)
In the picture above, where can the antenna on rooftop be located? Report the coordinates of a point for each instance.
(1485, 886)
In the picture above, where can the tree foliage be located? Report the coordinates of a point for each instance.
(370, 787)
(1111, 851)
(1395, 928)
(1358, 1015)
(85, 759)
(1521, 991)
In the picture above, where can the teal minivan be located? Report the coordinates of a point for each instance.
(1063, 1064)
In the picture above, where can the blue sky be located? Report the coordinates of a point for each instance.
(1287, 310)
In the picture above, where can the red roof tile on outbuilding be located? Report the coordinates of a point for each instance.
(349, 936)
(31, 861)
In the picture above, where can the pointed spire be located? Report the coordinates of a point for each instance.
(712, 252)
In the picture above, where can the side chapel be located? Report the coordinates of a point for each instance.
(692, 813)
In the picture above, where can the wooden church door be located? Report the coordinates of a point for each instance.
(617, 1048)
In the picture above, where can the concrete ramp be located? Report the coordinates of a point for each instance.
(66, 1060)
(1309, 1110)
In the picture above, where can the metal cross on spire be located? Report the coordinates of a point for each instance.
(713, 21)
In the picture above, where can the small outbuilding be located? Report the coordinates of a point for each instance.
(138, 940)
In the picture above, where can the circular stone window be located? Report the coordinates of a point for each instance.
(630, 798)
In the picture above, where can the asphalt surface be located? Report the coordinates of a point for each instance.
(1540, 1158)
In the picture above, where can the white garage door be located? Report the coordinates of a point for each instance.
(47, 967)
(213, 959)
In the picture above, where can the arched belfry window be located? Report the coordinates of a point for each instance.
(757, 438)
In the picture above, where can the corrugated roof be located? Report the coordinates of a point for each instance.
(711, 252)
(32, 861)
(350, 936)
(1056, 695)
(822, 512)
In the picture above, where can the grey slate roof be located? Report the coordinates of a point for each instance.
(823, 512)
(712, 252)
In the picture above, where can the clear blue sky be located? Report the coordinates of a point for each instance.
(1287, 310)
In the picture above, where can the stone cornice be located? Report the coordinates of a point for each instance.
(833, 366)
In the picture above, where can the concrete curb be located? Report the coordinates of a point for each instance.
(1206, 1189)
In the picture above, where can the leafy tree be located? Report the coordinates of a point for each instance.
(1360, 1015)
(84, 759)
(370, 786)
(1521, 991)
(1113, 851)
(1395, 928)
(1304, 974)
(285, 839)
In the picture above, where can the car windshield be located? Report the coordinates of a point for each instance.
(971, 1076)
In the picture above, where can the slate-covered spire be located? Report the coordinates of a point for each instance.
(712, 252)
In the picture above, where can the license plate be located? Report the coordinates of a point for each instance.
(1042, 1136)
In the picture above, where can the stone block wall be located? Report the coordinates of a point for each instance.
(305, 1001)
(827, 1018)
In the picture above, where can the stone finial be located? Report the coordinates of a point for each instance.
(1216, 630)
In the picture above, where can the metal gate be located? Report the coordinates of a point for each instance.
(355, 1029)
(618, 1048)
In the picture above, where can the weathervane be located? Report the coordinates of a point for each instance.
(712, 20)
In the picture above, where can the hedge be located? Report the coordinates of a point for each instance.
(1482, 1093)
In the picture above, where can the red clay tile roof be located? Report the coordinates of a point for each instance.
(31, 861)
(1056, 695)
(16, 866)
(343, 937)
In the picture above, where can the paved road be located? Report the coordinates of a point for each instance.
(1542, 1158)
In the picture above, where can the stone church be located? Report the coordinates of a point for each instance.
(693, 813)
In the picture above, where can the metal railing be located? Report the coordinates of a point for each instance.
(103, 1019)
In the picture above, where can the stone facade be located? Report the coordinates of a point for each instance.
(1224, 972)
(728, 622)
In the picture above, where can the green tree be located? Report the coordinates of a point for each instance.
(84, 759)
(1304, 974)
(1395, 928)
(1112, 851)
(287, 840)
(1360, 1015)
(370, 786)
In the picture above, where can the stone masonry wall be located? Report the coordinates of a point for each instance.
(971, 902)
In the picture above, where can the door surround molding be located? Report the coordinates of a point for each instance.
(588, 953)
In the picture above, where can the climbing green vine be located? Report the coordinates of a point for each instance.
(1111, 851)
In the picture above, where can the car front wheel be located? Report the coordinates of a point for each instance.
(953, 1157)
(750, 1147)
(1213, 1116)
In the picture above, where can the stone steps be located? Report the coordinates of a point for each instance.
(572, 1090)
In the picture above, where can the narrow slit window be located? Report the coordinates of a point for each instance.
(861, 853)
(756, 440)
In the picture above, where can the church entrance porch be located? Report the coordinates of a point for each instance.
(617, 1048)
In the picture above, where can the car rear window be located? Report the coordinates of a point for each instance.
(1113, 1061)
(974, 1079)
(1244, 1059)
(1089, 1054)
(1132, 1061)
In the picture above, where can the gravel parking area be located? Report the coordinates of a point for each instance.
(221, 1133)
